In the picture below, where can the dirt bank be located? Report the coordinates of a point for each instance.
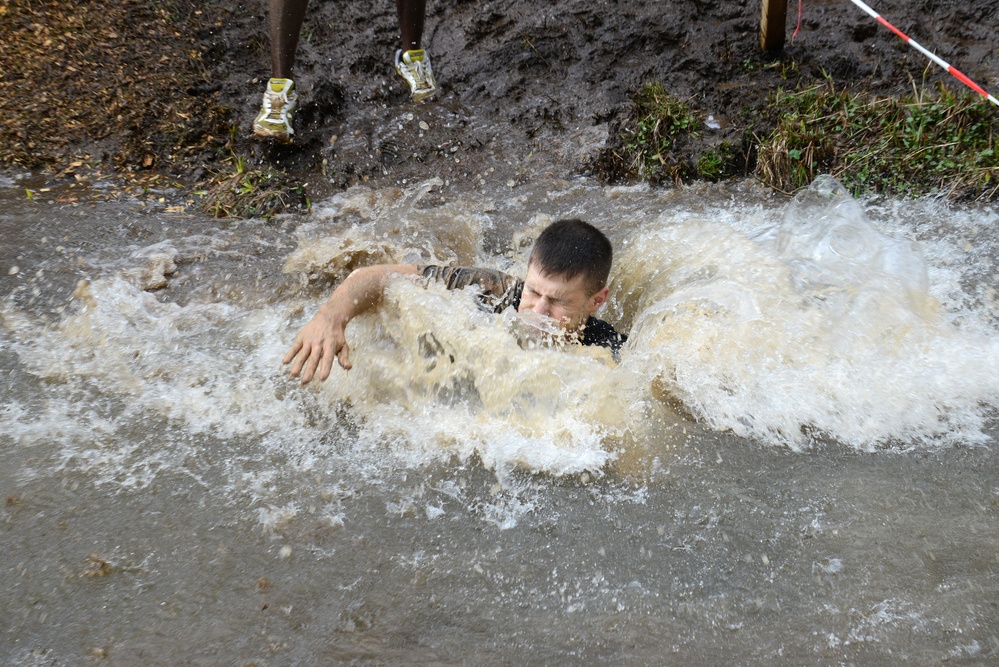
(171, 87)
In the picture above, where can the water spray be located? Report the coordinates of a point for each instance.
(939, 61)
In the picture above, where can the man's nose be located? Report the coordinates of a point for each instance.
(542, 307)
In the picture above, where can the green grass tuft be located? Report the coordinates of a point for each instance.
(663, 141)
(721, 162)
(662, 119)
(931, 143)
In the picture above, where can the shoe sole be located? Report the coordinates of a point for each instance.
(419, 97)
(277, 135)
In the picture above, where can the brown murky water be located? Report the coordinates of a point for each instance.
(793, 463)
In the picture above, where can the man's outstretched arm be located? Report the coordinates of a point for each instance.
(324, 339)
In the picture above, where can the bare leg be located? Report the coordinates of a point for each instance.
(410, 14)
(285, 21)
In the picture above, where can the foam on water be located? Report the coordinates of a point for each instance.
(166, 359)
(432, 370)
(362, 227)
(820, 323)
(781, 325)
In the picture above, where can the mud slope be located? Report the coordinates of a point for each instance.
(528, 87)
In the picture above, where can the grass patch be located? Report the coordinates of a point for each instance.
(252, 193)
(931, 142)
(934, 141)
(663, 141)
(719, 162)
(662, 121)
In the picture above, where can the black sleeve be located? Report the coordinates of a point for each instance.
(598, 332)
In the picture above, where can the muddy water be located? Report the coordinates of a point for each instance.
(793, 462)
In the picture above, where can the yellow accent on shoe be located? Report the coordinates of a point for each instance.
(277, 111)
(414, 66)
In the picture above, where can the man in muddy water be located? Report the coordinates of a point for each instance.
(280, 97)
(566, 283)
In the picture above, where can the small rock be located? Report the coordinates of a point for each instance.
(13, 270)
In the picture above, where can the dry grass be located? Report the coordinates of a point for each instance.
(253, 193)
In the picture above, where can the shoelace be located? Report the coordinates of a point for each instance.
(272, 112)
(420, 74)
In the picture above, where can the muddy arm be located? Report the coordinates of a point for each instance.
(323, 339)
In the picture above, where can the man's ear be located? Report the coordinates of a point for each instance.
(599, 299)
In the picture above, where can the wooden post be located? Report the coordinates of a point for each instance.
(772, 22)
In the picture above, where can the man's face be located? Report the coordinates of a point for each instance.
(566, 301)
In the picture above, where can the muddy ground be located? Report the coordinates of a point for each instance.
(168, 89)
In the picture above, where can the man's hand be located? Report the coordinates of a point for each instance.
(324, 338)
(315, 346)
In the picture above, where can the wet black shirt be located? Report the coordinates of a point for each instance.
(501, 291)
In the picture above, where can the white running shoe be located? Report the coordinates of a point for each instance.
(277, 111)
(414, 67)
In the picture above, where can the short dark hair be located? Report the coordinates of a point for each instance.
(572, 247)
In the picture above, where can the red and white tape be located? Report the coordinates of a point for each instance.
(958, 74)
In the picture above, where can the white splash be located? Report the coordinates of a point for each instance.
(819, 325)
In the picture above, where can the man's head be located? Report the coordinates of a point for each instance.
(567, 273)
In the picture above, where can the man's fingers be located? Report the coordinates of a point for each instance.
(300, 358)
(309, 370)
(327, 365)
(292, 351)
(344, 357)
(313, 357)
